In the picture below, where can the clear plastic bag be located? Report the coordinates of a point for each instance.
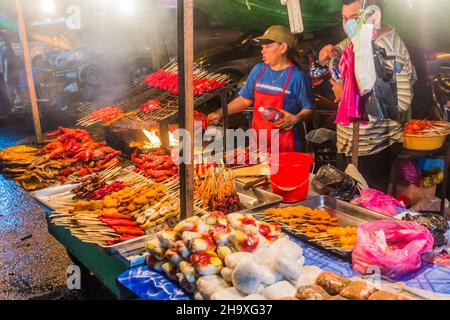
(335, 183)
(393, 247)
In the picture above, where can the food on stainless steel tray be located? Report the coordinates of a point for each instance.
(72, 152)
(217, 191)
(331, 282)
(357, 290)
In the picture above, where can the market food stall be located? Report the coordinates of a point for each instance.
(151, 228)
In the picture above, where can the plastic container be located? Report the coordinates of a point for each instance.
(289, 175)
(423, 143)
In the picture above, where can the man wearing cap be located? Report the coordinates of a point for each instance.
(279, 83)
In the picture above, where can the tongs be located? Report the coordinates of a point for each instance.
(256, 183)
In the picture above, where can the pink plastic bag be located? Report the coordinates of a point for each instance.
(409, 171)
(393, 246)
(349, 107)
(377, 201)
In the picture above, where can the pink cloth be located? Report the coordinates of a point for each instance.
(350, 105)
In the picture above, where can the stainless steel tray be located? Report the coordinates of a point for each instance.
(132, 252)
(254, 198)
(47, 195)
(346, 213)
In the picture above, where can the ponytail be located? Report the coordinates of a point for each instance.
(294, 57)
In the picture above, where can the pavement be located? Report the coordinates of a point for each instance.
(33, 264)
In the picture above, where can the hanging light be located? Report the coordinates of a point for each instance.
(48, 6)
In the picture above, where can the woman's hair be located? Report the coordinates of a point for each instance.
(293, 56)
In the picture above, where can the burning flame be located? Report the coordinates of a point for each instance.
(172, 140)
(155, 142)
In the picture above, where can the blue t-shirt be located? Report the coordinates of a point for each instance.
(298, 94)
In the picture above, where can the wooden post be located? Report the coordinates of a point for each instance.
(185, 17)
(155, 40)
(224, 105)
(27, 61)
(355, 143)
(164, 134)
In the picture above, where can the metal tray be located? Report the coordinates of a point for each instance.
(132, 252)
(254, 198)
(346, 213)
(45, 196)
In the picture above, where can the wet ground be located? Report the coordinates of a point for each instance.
(32, 263)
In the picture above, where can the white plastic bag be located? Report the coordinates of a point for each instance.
(365, 73)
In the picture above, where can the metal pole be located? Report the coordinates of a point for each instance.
(185, 17)
(27, 61)
(355, 143)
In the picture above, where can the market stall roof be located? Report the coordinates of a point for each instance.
(420, 23)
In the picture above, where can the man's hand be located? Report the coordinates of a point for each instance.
(214, 117)
(327, 53)
(338, 88)
(288, 121)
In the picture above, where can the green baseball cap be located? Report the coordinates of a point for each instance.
(277, 33)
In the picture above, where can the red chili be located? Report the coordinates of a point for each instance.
(129, 230)
(126, 237)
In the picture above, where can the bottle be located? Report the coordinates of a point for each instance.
(334, 69)
(270, 113)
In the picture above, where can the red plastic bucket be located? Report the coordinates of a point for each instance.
(289, 175)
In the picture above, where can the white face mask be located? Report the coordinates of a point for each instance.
(351, 28)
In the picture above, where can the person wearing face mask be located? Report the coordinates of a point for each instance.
(278, 83)
(379, 140)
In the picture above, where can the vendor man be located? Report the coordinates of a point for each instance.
(379, 141)
(279, 83)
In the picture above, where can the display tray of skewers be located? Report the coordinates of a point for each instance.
(113, 208)
(243, 157)
(71, 154)
(218, 190)
(323, 221)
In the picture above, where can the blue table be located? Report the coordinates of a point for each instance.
(148, 284)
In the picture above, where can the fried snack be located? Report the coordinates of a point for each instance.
(344, 236)
(311, 222)
(385, 295)
(313, 292)
(357, 290)
(332, 282)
